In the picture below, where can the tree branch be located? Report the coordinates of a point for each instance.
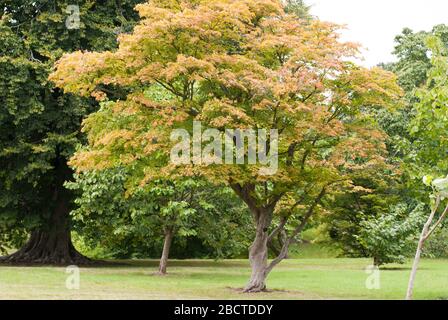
(279, 228)
(434, 227)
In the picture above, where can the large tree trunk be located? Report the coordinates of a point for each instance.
(258, 253)
(166, 251)
(52, 245)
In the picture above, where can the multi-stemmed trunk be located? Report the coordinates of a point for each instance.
(258, 252)
(263, 215)
(169, 233)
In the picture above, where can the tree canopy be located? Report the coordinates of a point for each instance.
(40, 126)
(236, 64)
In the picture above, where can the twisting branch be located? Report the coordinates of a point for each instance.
(291, 239)
(277, 230)
(307, 153)
(309, 213)
(284, 251)
(291, 151)
(245, 193)
(284, 219)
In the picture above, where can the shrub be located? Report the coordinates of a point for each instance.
(390, 238)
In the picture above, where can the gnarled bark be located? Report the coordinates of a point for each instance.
(258, 252)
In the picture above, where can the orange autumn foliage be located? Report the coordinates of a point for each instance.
(234, 64)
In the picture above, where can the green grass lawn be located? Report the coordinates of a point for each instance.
(205, 279)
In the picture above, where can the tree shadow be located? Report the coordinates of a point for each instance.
(395, 269)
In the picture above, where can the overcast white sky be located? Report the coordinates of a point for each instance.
(375, 23)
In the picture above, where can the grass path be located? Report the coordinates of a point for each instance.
(194, 279)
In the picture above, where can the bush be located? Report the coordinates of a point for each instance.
(437, 245)
(392, 237)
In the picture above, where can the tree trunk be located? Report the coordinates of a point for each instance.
(258, 253)
(52, 244)
(421, 242)
(418, 254)
(166, 251)
(282, 239)
(377, 262)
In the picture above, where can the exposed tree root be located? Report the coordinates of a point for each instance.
(47, 249)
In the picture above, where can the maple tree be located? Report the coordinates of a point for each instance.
(236, 64)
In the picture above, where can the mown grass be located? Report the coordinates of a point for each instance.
(206, 279)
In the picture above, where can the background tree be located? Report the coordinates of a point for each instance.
(298, 8)
(390, 238)
(346, 223)
(343, 225)
(39, 125)
(237, 64)
(135, 224)
(416, 129)
(429, 129)
(436, 246)
(412, 69)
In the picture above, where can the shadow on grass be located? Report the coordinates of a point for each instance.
(395, 269)
(266, 293)
(91, 264)
(98, 264)
(186, 263)
(401, 268)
